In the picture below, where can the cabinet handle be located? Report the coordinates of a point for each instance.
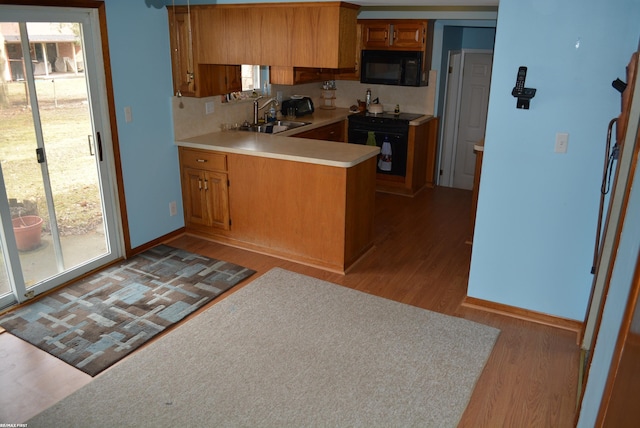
(199, 184)
(201, 160)
(206, 185)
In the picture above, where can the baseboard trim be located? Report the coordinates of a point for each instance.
(523, 314)
(157, 241)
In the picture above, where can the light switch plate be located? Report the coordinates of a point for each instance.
(208, 107)
(562, 141)
(127, 114)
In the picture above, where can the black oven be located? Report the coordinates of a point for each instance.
(385, 127)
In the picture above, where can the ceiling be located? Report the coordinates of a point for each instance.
(384, 3)
(427, 3)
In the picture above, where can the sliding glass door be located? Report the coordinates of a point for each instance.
(58, 207)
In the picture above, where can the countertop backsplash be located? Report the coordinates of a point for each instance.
(190, 118)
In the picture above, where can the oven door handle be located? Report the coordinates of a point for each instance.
(381, 132)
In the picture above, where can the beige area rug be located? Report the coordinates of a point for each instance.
(288, 350)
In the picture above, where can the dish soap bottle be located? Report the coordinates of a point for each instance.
(371, 139)
(272, 114)
(384, 162)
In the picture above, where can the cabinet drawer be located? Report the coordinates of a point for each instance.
(203, 159)
(331, 132)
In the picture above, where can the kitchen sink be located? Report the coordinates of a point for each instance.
(274, 127)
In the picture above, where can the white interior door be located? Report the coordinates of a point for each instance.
(474, 101)
(58, 207)
(450, 119)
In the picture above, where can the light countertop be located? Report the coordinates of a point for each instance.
(283, 146)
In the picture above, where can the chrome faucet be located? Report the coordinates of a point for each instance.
(256, 109)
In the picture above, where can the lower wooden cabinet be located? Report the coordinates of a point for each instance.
(314, 214)
(421, 162)
(332, 132)
(205, 189)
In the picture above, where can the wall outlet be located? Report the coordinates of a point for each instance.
(173, 208)
(208, 107)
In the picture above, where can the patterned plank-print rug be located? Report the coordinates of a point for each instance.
(99, 320)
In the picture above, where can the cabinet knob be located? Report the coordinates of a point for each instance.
(201, 160)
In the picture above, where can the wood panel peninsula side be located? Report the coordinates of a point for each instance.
(304, 200)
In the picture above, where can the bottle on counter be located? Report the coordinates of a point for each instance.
(384, 161)
(368, 98)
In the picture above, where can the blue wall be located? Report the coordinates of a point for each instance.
(537, 210)
(141, 66)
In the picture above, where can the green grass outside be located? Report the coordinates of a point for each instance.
(66, 124)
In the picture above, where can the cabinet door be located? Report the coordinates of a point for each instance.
(331, 132)
(408, 36)
(209, 24)
(195, 197)
(298, 75)
(375, 35)
(352, 73)
(181, 53)
(224, 78)
(217, 188)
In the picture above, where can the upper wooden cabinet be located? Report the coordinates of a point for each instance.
(298, 75)
(315, 34)
(192, 78)
(182, 64)
(398, 34)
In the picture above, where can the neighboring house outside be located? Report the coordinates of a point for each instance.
(54, 47)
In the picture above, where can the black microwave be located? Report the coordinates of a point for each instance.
(402, 68)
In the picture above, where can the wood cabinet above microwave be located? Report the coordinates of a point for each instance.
(313, 34)
(397, 34)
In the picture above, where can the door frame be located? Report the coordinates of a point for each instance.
(452, 105)
(120, 242)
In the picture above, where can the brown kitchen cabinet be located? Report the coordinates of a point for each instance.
(205, 190)
(421, 162)
(191, 77)
(298, 75)
(225, 78)
(311, 34)
(333, 132)
(376, 34)
(394, 34)
(351, 73)
(181, 57)
(479, 152)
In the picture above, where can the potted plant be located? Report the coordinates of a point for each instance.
(27, 230)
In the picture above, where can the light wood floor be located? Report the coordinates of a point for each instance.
(420, 258)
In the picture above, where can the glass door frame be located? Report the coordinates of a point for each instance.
(108, 168)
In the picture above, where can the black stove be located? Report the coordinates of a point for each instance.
(384, 127)
(384, 117)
